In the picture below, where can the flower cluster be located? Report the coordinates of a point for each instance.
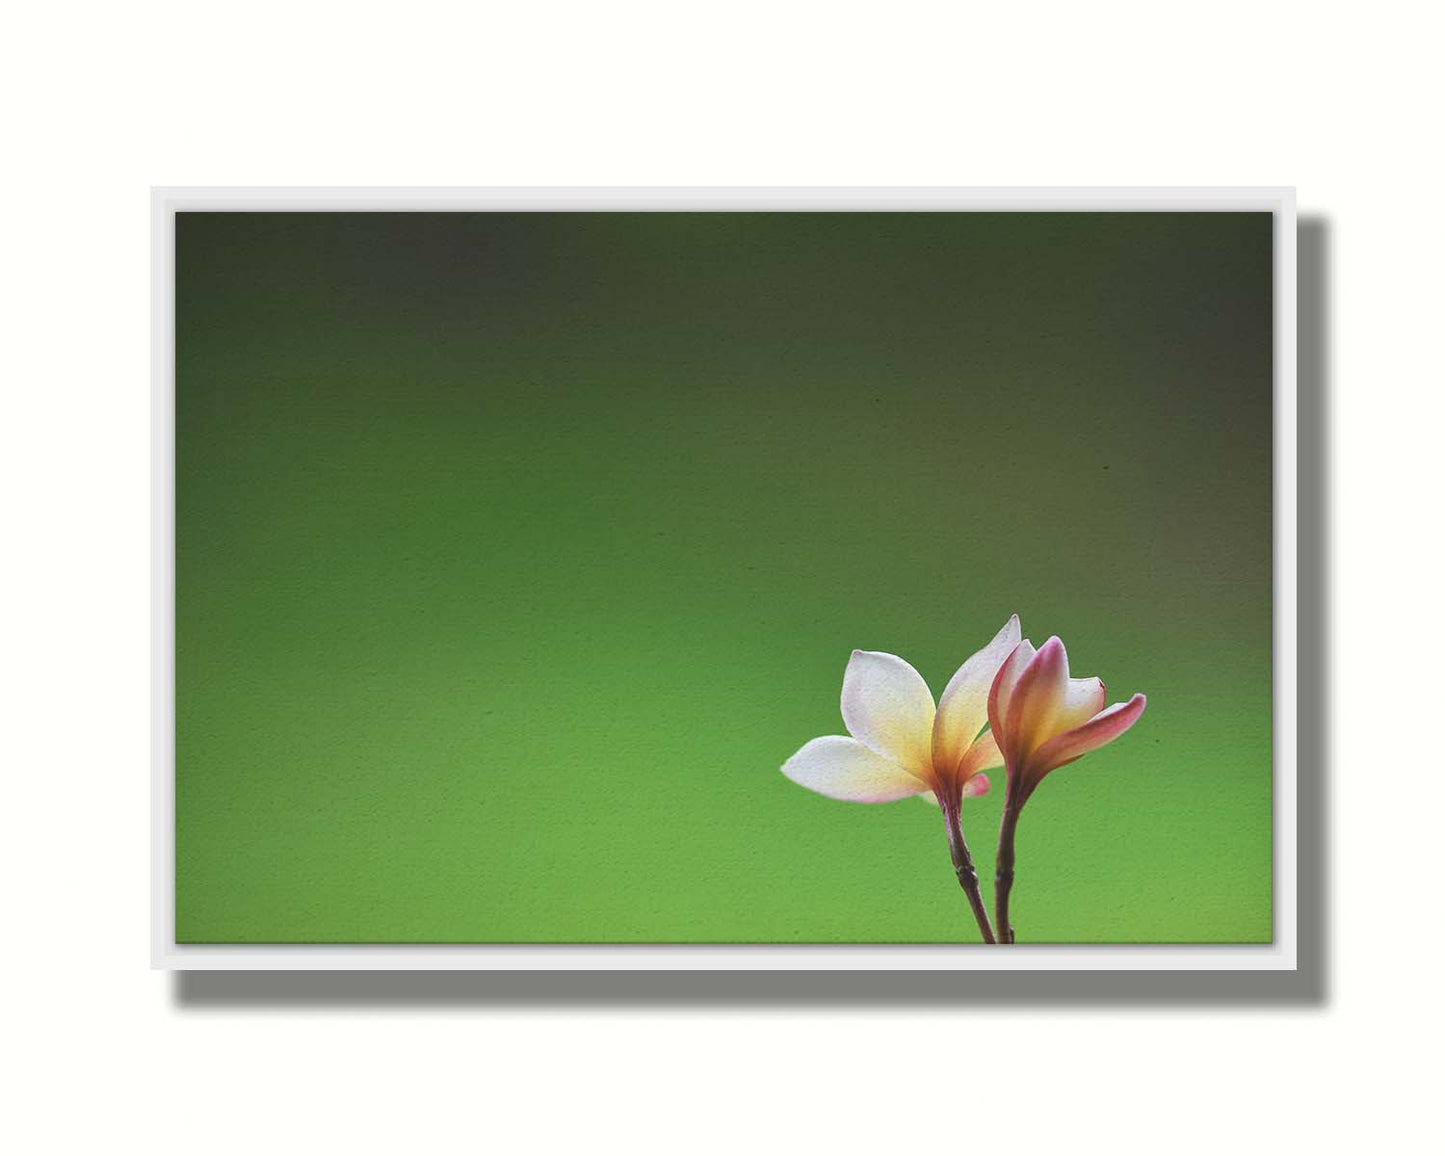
(1038, 718)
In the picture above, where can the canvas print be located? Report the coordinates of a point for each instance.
(723, 577)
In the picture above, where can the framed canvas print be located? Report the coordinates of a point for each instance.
(736, 578)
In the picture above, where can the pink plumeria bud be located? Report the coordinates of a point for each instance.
(1043, 719)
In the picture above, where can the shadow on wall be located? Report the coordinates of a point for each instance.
(1307, 987)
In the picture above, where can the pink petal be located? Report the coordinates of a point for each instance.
(977, 785)
(1038, 698)
(1000, 695)
(1103, 728)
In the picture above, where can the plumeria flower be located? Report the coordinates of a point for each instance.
(1043, 720)
(902, 744)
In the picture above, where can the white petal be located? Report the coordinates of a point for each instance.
(982, 755)
(1083, 699)
(963, 705)
(889, 709)
(843, 768)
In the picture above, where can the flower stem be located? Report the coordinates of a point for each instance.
(1003, 880)
(963, 867)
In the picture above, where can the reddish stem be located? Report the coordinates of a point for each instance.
(963, 866)
(1004, 871)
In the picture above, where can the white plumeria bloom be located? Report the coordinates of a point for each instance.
(902, 744)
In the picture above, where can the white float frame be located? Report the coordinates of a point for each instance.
(1280, 955)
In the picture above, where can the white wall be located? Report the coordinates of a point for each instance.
(102, 101)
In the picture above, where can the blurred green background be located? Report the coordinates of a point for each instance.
(516, 552)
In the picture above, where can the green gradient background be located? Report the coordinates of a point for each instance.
(515, 553)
